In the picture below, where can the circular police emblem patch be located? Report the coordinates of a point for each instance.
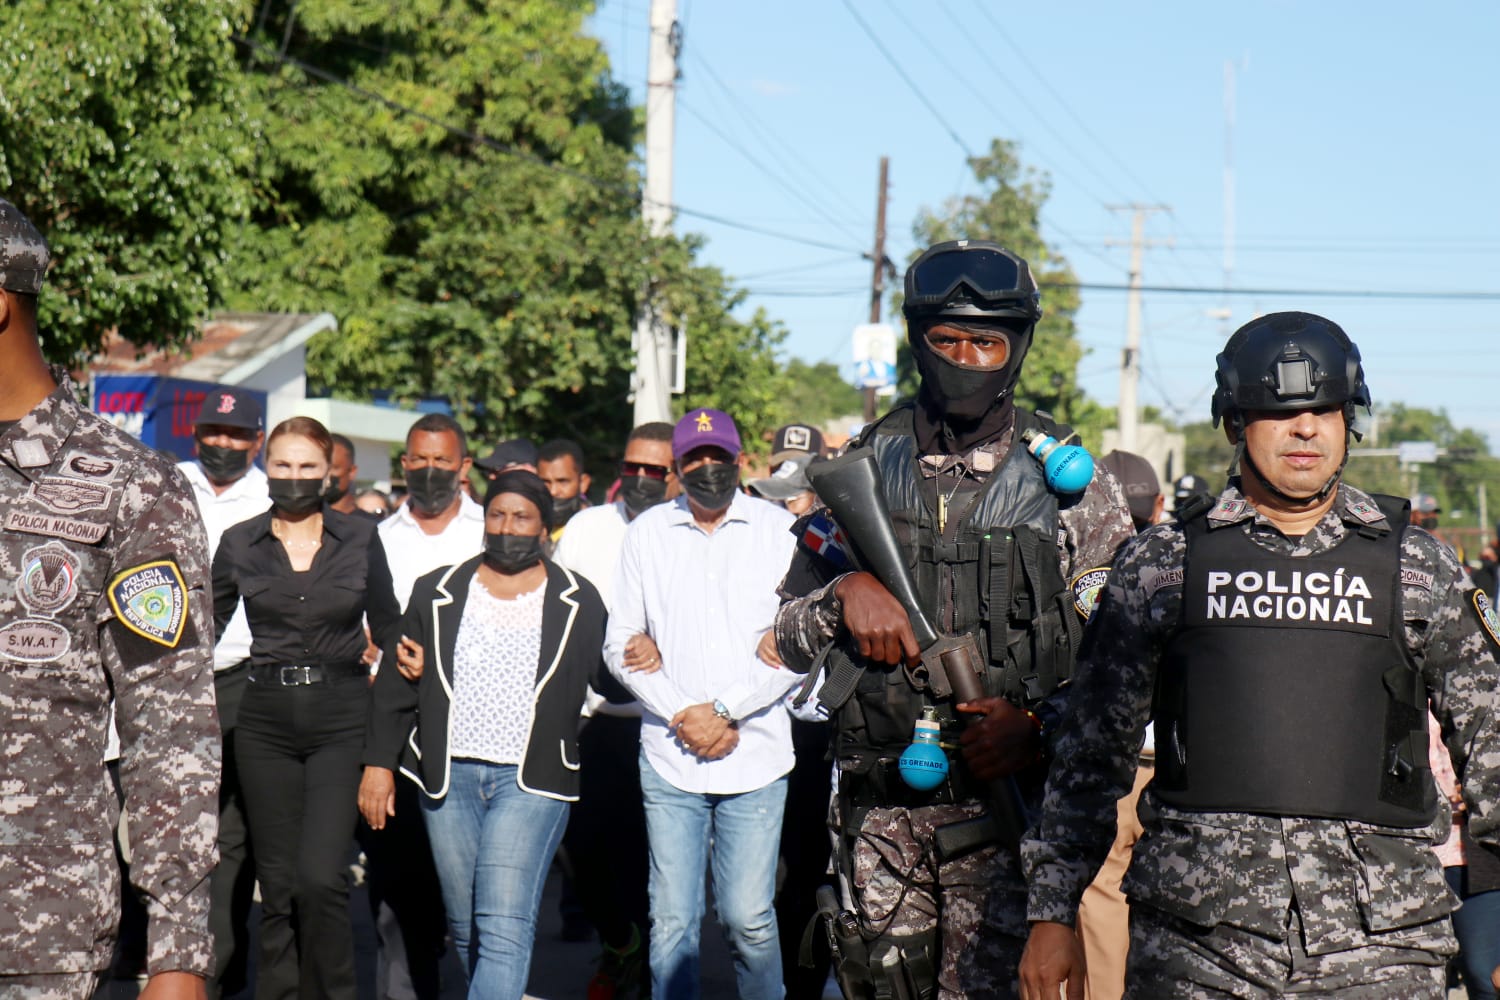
(1488, 619)
(1087, 586)
(49, 579)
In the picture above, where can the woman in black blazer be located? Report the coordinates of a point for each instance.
(482, 713)
(310, 578)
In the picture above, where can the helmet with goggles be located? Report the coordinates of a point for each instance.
(1288, 361)
(971, 279)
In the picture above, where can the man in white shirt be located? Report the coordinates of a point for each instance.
(229, 488)
(439, 525)
(606, 836)
(699, 576)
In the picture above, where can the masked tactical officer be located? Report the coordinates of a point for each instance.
(994, 549)
(102, 571)
(1287, 638)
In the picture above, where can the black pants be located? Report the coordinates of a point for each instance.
(805, 851)
(231, 887)
(606, 836)
(406, 901)
(299, 759)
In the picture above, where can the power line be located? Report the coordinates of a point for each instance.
(901, 72)
(521, 154)
(733, 143)
(768, 136)
(1325, 293)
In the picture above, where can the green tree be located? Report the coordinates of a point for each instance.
(503, 279)
(818, 393)
(123, 137)
(1007, 209)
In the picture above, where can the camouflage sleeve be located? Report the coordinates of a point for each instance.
(1094, 526)
(1099, 739)
(810, 615)
(1453, 632)
(156, 642)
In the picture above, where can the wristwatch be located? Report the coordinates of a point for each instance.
(722, 711)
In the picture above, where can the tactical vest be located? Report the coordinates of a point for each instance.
(1288, 689)
(1000, 565)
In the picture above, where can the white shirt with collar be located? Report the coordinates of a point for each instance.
(413, 553)
(246, 497)
(706, 598)
(591, 548)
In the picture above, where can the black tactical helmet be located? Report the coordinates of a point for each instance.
(976, 279)
(1288, 361)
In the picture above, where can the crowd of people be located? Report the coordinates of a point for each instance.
(937, 715)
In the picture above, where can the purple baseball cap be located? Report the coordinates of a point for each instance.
(705, 427)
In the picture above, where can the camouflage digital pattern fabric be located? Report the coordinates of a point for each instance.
(83, 505)
(1355, 885)
(23, 252)
(1172, 959)
(76, 986)
(901, 889)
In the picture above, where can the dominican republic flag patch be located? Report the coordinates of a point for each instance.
(824, 537)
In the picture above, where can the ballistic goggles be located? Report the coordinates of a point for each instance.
(970, 277)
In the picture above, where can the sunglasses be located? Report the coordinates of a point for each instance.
(644, 469)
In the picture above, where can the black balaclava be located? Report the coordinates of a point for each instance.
(960, 408)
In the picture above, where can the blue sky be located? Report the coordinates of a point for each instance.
(1365, 149)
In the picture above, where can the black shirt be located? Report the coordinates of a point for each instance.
(313, 617)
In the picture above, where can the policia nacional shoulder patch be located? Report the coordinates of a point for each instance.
(151, 600)
(1487, 616)
(1087, 586)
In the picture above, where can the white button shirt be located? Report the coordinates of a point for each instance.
(591, 548)
(413, 553)
(706, 599)
(246, 497)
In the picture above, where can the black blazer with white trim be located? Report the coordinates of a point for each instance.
(408, 725)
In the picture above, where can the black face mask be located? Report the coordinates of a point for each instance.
(964, 394)
(564, 509)
(337, 490)
(296, 496)
(223, 465)
(431, 489)
(510, 554)
(641, 493)
(712, 486)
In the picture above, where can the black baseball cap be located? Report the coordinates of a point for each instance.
(516, 451)
(229, 406)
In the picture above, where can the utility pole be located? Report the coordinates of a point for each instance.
(877, 281)
(1130, 360)
(653, 341)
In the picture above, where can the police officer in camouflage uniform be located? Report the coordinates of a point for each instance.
(993, 549)
(102, 577)
(1287, 637)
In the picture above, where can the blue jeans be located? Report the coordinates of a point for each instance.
(1476, 924)
(745, 832)
(492, 844)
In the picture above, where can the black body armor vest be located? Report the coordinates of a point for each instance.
(997, 566)
(1288, 690)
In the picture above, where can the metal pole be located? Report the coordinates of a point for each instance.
(877, 281)
(653, 341)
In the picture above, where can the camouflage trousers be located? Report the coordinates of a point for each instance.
(976, 902)
(1171, 958)
(58, 986)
